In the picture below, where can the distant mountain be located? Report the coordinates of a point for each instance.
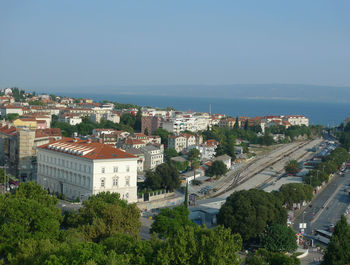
(244, 91)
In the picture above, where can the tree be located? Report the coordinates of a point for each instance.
(11, 117)
(104, 215)
(3, 178)
(264, 257)
(292, 167)
(186, 196)
(338, 250)
(163, 134)
(193, 157)
(248, 212)
(153, 180)
(295, 193)
(218, 168)
(29, 213)
(236, 125)
(169, 153)
(146, 132)
(165, 176)
(266, 140)
(137, 125)
(197, 245)
(128, 119)
(170, 176)
(280, 238)
(168, 221)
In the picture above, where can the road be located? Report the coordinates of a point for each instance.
(327, 206)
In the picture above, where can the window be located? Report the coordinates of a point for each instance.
(115, 181)
(127, 181)
(103, 170)
(115, 169)
(102, 183)
(127, 195)
(127, 168)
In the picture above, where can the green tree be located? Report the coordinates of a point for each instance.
(280, 238)
(292, 167)
(169, 153)
(248, 212)
(218, 168)
(128, 119)
(198, 245)
(153, 180)
(104, 215)
(170, 176)
(138, 117)
(29, 213)
(168, 221)
(295, 193)
(338, 250)
(264, 257)
(3, 178)
(236, 125)
(146, 132)
(165, 176)
(186, 196)
(36, 103)
(194, 158)
(11, 117)
(163, 135)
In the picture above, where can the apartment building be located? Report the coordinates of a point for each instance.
(153, 156)
(297, 120)
(19, 148)
(178, 142)
(80, 168)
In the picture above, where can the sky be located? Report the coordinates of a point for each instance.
(79, 43)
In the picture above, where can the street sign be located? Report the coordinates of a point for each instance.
(302, 225)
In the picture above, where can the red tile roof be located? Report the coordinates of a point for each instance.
(133, 141)
(86, 149)
(50, 132)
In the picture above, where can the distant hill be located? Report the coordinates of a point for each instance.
(246, 91)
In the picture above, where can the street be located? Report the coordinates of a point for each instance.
(327, 207)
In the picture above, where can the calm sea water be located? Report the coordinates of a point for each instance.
(319, 113)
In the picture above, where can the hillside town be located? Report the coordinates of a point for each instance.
(76, 148)
(27, 124)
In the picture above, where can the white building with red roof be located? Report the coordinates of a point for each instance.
(297, 120)
(80, 168)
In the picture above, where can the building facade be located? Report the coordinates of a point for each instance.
(80, 168)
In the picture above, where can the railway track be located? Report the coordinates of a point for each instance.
(239, 177)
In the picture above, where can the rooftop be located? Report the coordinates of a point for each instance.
(86, 149)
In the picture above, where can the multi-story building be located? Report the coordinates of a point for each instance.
(140, 159)
(178, 142)
(71, 119)
(228, 122)
(132, 143)
(11, 109)
(153, 156)
(109, 116)
(297, 120)
(80, 168)
(19, 148)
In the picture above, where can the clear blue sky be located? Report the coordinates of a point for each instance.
(76, 43)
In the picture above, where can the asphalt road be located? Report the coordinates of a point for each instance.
(327, 207)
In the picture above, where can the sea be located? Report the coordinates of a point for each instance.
(323, 113)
